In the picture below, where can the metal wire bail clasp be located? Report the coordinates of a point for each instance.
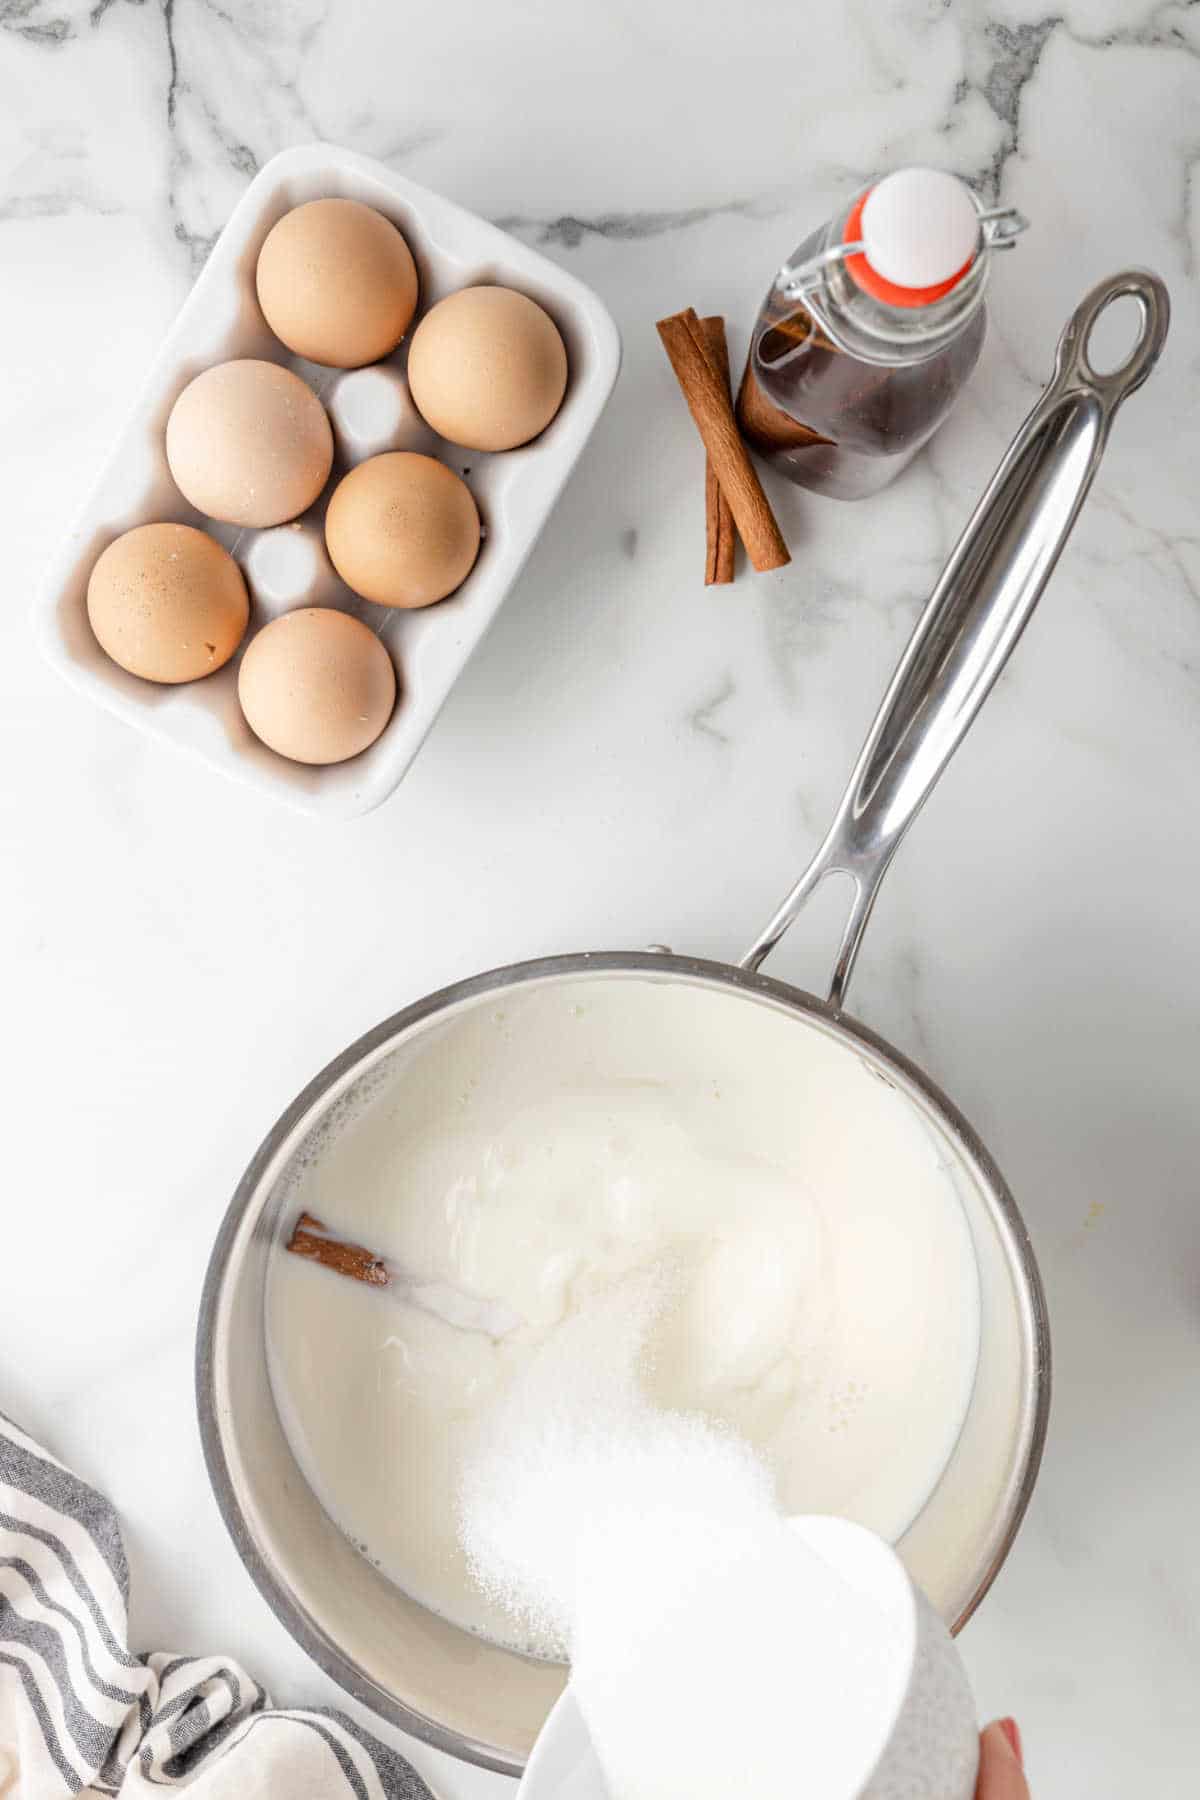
(1001, 226)
(796, 281)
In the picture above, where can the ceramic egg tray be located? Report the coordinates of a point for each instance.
(287, 566)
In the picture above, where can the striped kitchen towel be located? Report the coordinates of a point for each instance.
(81, 1714)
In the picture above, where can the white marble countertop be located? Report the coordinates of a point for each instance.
(631, 758)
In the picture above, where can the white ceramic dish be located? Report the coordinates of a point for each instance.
(286, 568)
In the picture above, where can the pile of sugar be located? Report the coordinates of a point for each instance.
(711, 1651)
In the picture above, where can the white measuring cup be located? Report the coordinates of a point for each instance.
(919, 1739)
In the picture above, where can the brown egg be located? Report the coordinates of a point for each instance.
(337, 282)
(487, 368)
(249, 442)
(167, 603)
(402, 529)
(316, 685)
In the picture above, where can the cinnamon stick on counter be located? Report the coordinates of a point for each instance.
(708, 401)
(309, 1238)
(719, 531)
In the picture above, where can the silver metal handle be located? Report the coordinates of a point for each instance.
(977, 611)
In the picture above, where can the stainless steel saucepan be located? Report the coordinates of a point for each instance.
(453, 1689)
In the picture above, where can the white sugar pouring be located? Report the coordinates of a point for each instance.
(715, 1646)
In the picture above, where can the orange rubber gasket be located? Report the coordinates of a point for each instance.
(873, 283)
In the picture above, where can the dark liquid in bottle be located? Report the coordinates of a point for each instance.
(830, 421)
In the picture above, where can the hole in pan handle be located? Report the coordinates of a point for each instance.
(977, 611)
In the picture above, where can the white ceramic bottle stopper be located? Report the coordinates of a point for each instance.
(919, 227)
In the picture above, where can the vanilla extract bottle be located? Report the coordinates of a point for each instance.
(870, 331)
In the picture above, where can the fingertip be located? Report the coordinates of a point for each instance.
(1000, 1771)
(1012, 1732)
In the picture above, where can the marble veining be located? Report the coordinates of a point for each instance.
(704, 718)
(632, 758)
(568, 232)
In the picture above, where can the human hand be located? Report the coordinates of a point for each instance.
(1001, 1775)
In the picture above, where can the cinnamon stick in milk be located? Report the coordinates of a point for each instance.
(310, 1238)
(708, 400)
(720, 533)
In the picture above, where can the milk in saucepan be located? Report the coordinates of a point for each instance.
(539, 1147)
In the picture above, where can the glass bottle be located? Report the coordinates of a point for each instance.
(850, 372)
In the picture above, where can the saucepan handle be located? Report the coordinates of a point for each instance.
(977, 611)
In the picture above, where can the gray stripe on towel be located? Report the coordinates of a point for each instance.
(398, 1777)
(75, 1576)
(52, 1605)
(225, 1728)
(67, 1770)
(168, 1669)
(58, 1488)
(187, 1735)
(92, 1736)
